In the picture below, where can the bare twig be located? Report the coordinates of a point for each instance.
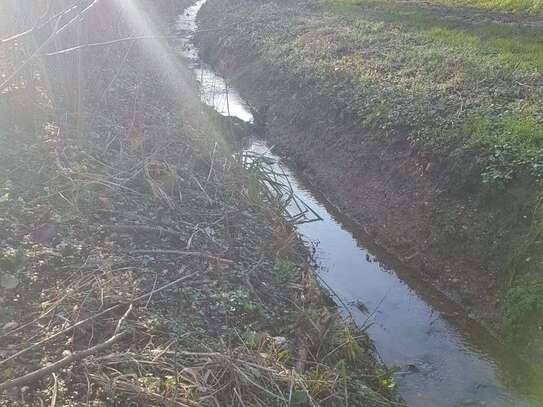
(39, 26)
(144, 228)
(212, 162)
(182, 253)
(55, 391)
(74, 357)
(80, 323)
(19, 69)
(123, 318)
(106, 43)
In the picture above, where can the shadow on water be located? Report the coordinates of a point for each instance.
(445, 359)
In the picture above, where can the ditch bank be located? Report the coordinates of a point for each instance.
(428, 208)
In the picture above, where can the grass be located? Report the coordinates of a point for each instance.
(515, 45)
(435, 55)
(518, 50)
(529, 6)
(522, 6)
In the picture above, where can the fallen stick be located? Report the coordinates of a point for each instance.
(78, 324)
(64, 331)
(123, 318)
(182, 253)
(74, 357)
(144, 228)
(105, 43)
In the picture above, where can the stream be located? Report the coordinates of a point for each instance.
(444, 358)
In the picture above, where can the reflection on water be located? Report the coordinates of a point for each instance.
(444, 359)
(440, 365)
(214, 89)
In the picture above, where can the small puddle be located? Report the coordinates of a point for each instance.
(444, 359)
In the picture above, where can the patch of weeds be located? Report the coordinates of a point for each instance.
(12, 259)
(524, 306)
(254, 190)
(514, 138)
(150, 383)
(274, 348)
(238, 302)
(320, 382)
(239, 307)
(7, 373)
(346, 340)
(383, 380)
(252, 340)
(283, 272)
(456, 38)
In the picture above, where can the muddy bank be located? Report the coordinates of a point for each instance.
(429, 211)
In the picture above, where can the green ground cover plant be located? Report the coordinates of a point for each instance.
(530, 6)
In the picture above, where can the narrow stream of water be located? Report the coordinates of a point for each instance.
(444, 359)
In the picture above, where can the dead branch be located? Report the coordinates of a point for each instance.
(80, 323)
(74, 357)
(106, 43)
(182, 253)
(123, 318)
(40, 26)
(144, 228)
(36, 53)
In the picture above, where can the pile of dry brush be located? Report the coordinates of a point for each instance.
(134, 268)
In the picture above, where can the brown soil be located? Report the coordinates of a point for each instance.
(404, 210)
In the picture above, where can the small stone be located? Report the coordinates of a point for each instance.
(411, 368)
(280, 341)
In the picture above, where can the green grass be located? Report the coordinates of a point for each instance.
(521, 51)
(514, 45)
(530, 6)
(483, 77)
